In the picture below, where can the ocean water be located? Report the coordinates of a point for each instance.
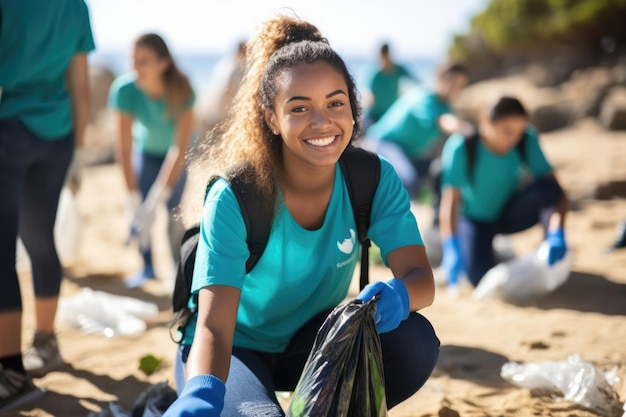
(199, 67)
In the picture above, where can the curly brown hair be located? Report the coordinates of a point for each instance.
(243, 138)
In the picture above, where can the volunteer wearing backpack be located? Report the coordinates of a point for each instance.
(495, 195)
(295, 114)
(409, 132)
(155, 120)
(44, 109)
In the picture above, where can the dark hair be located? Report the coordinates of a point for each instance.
(384, 49)
(452, 68)
(177, 87)
(306, 52)
(506, 106)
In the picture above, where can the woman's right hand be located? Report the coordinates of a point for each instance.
(203, 395)
(452, 261)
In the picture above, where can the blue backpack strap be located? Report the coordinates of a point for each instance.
(361, 170)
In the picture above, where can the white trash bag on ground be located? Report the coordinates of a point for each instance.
(578, 381)
(67, 228)
(526, 278)
(105, 314)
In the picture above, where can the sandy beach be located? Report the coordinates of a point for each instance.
(585, 316)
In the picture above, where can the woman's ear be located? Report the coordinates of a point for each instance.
(270, 118)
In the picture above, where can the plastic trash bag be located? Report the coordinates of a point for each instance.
(577, 380)
(105, 314)
(152, 402)
(67, 228)
(343, 376)
(67, 233)
(526, 278)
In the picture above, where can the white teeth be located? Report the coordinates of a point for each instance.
(321, 142)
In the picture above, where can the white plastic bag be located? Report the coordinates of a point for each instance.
(105, 314)
(579, 381)
(67, 233)
(67, 228)
(523, 279)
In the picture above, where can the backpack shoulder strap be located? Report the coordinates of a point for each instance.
(471, 147)
(257, 216)
(521, 148)
(361, 170)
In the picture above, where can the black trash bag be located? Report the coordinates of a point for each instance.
(343, 375)
(152, 402)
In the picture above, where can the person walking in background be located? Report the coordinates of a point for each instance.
(409, 134)
(225, 81)
(295, 115)
(497, 181)
(44, 109)
(155, 122)
(384, 86)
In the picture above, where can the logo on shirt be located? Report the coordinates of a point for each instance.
(347, 246)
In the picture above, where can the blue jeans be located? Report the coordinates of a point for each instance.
(532, 205)
(147, 169)
(409, 356)
(32, 173)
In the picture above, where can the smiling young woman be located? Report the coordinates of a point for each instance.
(294, 116)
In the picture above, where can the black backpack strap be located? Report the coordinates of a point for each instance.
(521, 148)
(471, 148)
(361, 170)
(257, 215)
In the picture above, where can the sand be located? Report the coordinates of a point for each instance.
(585, 316)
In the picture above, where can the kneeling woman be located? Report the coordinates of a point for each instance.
(497, 182)
(294, 115)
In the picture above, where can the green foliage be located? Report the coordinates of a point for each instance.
(149, 363)
(510, 26)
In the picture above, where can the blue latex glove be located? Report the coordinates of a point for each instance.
(392, 305)
(452, 260)
(203, 395)
(556, 246)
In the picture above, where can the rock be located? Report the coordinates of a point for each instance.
(448, 412)
(551, 116)
(100, 80)
(613, 109)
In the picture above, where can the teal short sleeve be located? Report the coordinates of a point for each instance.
(222, 249)
(85, 41)
(454, 161)
(121, 95)
(536, 160)
(392, 225)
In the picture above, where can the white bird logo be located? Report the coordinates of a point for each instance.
(347, 246)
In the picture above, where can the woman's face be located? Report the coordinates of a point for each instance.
(312, 114)
(504, 134)
(148, 66)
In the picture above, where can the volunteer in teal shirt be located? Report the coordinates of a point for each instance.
(384, 85)
(44, 109)
(504, 190)
(409, 133)
(154, 106)
(294, 117)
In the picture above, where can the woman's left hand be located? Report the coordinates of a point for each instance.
(557, 248)
(392, 304)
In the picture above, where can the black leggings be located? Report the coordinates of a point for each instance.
(32, 173)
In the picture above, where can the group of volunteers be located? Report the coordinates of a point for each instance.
(293, 117)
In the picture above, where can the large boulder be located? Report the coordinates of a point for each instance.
(100, 80)
(551, 116)
(613, 109)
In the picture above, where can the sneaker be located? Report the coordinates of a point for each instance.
(43, 355)
(16, 390)
(140, 277)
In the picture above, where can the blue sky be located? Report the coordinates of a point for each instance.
(415, 28)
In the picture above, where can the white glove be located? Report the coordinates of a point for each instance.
(75, 171)
(142, 222)
(133, 202)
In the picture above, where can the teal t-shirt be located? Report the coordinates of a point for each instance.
(385, 87)
(412, 122)
(495, 177)
(153, 128)
(38, 39)
(301, 272)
